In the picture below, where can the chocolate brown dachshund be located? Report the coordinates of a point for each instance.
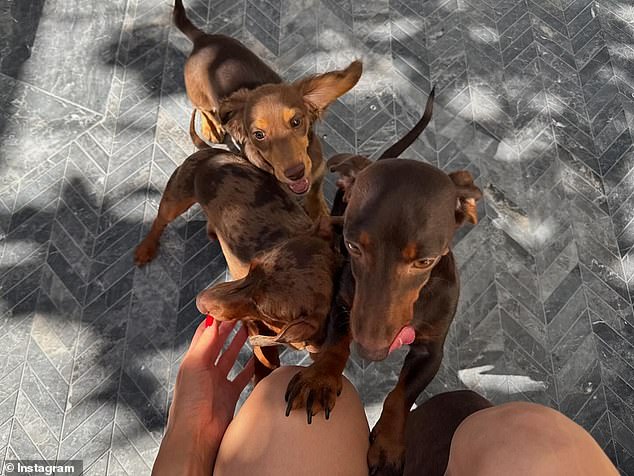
(327, 369)
(399, 220)
(406, 281)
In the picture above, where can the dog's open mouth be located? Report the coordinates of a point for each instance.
(405, 336)
(300, 186)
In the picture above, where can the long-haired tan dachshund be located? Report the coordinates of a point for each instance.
(235, 91)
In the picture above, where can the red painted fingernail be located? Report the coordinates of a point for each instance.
(209, 321)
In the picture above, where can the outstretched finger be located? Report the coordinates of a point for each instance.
(198, 333)
(228, 357)
(203, 344)
(224, 329)
(211, 341)
(245, 375)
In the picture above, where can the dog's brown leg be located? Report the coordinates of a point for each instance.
(168, 212)
(176, 200)
(315, 204)
(317, 386)
(386, 455)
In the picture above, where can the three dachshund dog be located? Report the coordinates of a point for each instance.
(375, 274)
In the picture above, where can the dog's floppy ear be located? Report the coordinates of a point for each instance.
(348, 167)
(233, 299)
(320, 90)
(231, 112)
(467, 196)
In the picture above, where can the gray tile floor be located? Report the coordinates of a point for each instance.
(535, 97)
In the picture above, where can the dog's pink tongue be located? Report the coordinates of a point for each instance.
(404, 337)
(299, 186)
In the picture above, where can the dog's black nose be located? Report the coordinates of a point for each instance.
(296, 172)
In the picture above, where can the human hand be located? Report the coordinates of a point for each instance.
(204, 400)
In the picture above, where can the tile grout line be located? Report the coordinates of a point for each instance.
(48, 93)
(17, 399)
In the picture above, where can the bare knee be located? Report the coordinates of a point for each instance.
(524, 438)
(267, 390)
(281, 375)
(261, 440)
(512, 417)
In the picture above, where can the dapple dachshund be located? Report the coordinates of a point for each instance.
(234, 90)
(282, 263)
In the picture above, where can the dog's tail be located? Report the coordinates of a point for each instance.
(339, 204)
(409, 138)
(183, 23)
(198, 142)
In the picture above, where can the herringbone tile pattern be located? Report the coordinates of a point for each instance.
(535, 98)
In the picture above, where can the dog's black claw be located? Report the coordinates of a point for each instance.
(309, 407)
(325, 404)
(289, 397)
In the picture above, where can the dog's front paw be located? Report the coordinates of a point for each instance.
(386, 456)
(313, 389)
(145, 252)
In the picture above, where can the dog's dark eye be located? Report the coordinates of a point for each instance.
(259, 135)
(424, 263)
(296, 122)
(354, 249)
